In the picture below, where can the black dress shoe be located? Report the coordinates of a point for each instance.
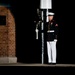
(49, 63)
(53, 63)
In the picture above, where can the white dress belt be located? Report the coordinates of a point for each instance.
(50, 31)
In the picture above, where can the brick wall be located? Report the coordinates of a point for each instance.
(7, 34)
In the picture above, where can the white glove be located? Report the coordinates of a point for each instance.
(55, 40)
(36, 30)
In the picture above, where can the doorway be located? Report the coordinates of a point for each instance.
(28, 49)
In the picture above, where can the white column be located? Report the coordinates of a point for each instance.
(44, 4)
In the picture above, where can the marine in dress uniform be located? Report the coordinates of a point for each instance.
(51, 38)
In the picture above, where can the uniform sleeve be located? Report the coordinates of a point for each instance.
(56, 30)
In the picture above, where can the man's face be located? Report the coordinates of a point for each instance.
(50, 17)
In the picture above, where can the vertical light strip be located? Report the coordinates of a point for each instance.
(47, 15)
(42, 36)
(42, 27)
(42, 48)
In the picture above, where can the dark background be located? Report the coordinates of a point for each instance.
(28, 50)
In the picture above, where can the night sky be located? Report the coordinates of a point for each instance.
(25, 14)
